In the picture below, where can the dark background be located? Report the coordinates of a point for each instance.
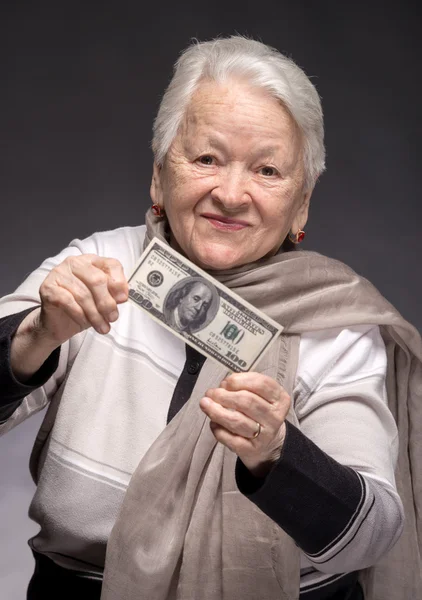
(80, 85)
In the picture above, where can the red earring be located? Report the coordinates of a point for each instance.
(298, 237)
(157, 210)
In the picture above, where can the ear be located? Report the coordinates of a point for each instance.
(156, 189)
(301, 217)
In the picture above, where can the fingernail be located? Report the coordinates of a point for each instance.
(113, 316)
(121, 297)
(104, 328)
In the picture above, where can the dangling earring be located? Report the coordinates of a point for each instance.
(298, 237)
(158, 211)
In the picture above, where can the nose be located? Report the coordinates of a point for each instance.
(231, 190)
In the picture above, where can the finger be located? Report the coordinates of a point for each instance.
(257, 462)
(117, 282)
(236, 443)
(96, 282)
(258, 383)
(63, 300)
(84, 299)
(232, 420)
(250, 404)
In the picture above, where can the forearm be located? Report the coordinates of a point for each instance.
(340, 520)
(29, 348)
(12, 389)
(371, 531)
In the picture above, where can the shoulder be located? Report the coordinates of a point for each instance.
(319, 275)
(339, 356)
(325, 267)
(320, 293)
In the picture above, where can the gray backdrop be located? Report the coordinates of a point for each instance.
(81, 82)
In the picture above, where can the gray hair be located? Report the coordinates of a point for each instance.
(263, 67)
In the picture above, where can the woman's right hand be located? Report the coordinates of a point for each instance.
(81, 292)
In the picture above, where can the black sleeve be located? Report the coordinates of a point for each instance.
(307, 493)
(12, 391)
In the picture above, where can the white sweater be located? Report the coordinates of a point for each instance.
(115, 392)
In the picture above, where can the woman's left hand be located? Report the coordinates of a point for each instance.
(247, 414)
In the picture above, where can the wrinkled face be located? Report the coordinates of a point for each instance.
(195, 304)
(232, 180)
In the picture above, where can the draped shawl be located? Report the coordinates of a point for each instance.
(185, 531)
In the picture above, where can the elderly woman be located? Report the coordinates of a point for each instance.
(291, 490)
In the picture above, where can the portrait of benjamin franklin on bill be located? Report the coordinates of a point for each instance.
(191, 305)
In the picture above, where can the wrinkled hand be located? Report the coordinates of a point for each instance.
(81, 292)
(235, 408)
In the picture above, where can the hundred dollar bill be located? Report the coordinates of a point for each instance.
(200, 310)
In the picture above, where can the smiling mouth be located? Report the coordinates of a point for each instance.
(225, 223)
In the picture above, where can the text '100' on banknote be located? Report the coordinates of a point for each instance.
(199, 309)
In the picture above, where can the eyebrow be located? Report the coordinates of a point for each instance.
(261, 151)
(267, 150)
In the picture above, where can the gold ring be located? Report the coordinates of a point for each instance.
(257, 432)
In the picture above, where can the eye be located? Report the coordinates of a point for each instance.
(268, 171)
(206, 159)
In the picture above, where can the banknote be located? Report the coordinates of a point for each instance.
(197, 308)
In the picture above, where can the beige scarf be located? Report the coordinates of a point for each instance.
(185, 532)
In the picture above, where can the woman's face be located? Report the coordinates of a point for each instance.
(232, 181)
